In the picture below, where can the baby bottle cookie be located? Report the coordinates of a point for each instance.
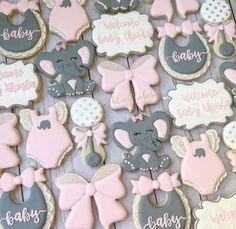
(90, 132)
(141, 138)
(76, 19)
(36, 212)
(174, 213)
(220, 29)
(66, 66)
(25, 39)
(201, 168)
(105, 188)
(183, 62)
(119, 80)
(9, 137)
(48, 141)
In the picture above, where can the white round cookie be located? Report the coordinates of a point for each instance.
(86, 112)
(215, 11)
(229, 135)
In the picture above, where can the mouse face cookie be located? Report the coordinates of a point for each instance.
(36, 212)
(141, 138)
(90, 132)
(173, 213)
(25, 39)
(198, 157)
(76, 21)
(66, 66)
(183, 62)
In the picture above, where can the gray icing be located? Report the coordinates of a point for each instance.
(229, 82)
(36, 215)
(185, 60)
(66, 3)
(93, 159)
(170, 215)
(200, 152)
(146, 142)
(45, 124)
(28, 33)
(71, 67)
(115, 6)
(226, 48)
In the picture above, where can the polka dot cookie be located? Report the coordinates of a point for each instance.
(229, 135)
(215, 11)
(86, 112)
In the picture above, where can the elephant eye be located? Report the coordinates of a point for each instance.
(58, 61)
(74, 58)
(136, 133)
(149, 130)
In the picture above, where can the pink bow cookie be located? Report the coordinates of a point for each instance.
(9, 181)
(164, 182)
(117, 79)
(22, 6)
(186, 28)
(76, 195)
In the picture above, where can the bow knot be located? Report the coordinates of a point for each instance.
(137, 118)
(90, 189)
(129, 75)
(9, 181)
(186, 28)
(164, 182)
(81, 135)
(61, 46)
(212, 31)
(22, 6)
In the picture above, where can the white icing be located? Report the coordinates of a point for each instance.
(200, 104)
(229, 135)
(122, 33)
(18, 84)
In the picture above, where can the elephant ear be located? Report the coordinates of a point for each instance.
(44, 64)
(26, 119)
(161, 122)
(213, 139)
(120, 134)
(178, 146)
(86, 51)
(61, 111)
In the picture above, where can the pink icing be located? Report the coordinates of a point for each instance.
(162, 8)
(68, 21)
(161, 127)
(47, 145)
(84, 54)
(186, 6)
(47, 66)
(231, 75)
(123, 137)
(9, 136)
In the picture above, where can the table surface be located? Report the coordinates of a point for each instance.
(73, 162)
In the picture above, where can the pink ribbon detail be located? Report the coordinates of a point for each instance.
(106, 188)
(186, 28)
(212, 31)
(164, 182)
(142, 74)
(22, 6)
(137, 118)
(81, 136)
(9, 181)
(61, 46)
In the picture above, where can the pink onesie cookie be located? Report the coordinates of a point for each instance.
(201, 167)
(48, 141)
(68, 18)
(9, 136)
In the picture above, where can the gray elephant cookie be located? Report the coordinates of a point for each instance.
(228, 74)
(114, 6)
(66, 66)
(141, 137)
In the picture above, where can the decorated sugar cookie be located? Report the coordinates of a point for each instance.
(76, 196)
(66, 66)
(183, 62)
(19, 84)
(200, 104)
(90, 132)
(48, 141)
(119, 80)
(228, 74)
(25, 39)
(76, 19)
(36, 212)
(173, 213)
(216, 214)
(122, 34)
(9, 137)
(198, 157)
(141, 138)
(219, 28)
